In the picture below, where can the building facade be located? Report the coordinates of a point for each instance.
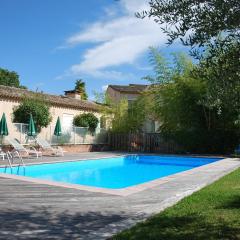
(66, 107)
(131, 92)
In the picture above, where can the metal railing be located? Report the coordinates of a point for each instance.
(75, 135)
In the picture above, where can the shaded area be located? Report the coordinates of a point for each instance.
(233, 203)
(43, 224)
(187, 227)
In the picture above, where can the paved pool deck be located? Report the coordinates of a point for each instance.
(31, 210)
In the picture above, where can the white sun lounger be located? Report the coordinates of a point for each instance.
(56, 150)
(19, 149)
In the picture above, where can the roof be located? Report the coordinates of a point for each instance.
(131, 88)
(64, 101)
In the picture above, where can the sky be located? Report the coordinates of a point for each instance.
(51, 43)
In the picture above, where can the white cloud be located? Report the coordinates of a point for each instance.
(108, 75)
(133, 6)
(121, 40)
(104, 87)
(110, 11)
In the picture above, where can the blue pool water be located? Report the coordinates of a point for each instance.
(111, 173)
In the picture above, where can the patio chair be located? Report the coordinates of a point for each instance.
(55, 150)
(20, 150)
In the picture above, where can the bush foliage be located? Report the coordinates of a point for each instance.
(37, 107)
(88, 120)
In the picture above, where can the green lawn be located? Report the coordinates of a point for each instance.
(211, 213)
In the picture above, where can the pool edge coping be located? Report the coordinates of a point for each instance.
(118, 192)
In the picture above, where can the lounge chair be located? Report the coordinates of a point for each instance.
(20, 150)
(55, 150)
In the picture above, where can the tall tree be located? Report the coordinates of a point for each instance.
(212, 30)
(80, 86)
(9, 78)
(186, 109)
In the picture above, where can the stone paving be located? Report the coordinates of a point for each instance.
(39, 211)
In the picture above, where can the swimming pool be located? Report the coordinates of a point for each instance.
(111, 173)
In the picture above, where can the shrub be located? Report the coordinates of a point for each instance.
(88, 120)
(35, 106)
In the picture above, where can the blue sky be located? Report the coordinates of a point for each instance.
(52, 43)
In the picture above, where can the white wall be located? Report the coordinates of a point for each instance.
(7, 106)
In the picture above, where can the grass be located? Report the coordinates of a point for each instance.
(211, 213)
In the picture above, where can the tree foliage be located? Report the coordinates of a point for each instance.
(125, 117)
(196, 23)
(212, 25)
(36, 106)
(212, 30)
(88, 120)
(188, 115)
(9, 78)
(164, 70)
(222, 74)
(80, 86)
(128, 118)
